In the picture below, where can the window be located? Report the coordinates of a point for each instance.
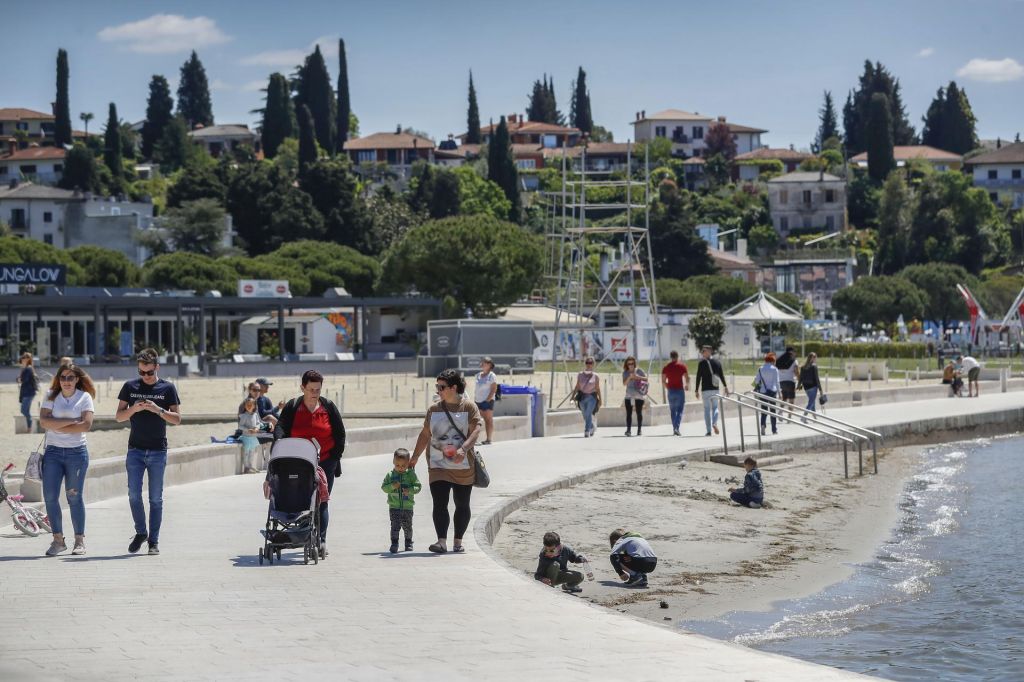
(47, 217)
(807, 222)
(1015, 174)
(29, 169)
(993, 175)
(526, 164)
(830, 223)
(21, 125)
(830, 196)
(3, 170)
(807, 196)
(784, 224)
(58, 168)
(784, 196)
(698, 132)
(46, 127)
(48, 238)
(659, 131)
(994, 197)
(366, 156)
(18, 218)
(394, 156)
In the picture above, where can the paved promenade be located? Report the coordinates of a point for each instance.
(204, 609)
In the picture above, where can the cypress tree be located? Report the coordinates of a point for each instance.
(875, 79)
(344, 104)
(307, 140)
(172, 150)
(159, 108)
(278, 115)
(472, 116)
(501, 167)
(581, 116)
(112, 144)
(958, 121)
(194, 103)
(62, 105)
(879, 138)
(933, 132)
(828, 125)
(314, 90)
(552, 114)
(535, 110)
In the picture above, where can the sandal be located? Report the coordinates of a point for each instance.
(437, 549)
(458, 549)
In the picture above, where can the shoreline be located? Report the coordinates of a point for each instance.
(716, 557)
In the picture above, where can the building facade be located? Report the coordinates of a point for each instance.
(687, 131)
(43, 165)
(1001, 173)
(217, 139)
(396, 151)
(939, 159)
(802, 203)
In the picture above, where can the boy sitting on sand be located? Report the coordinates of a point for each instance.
(552, 566)
(632, 557)
(752, 493)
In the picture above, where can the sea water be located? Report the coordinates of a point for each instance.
(943, 599)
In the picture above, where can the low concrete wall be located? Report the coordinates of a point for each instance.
(97, 372)
(327, 368)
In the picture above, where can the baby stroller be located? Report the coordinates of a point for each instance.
(293, 517)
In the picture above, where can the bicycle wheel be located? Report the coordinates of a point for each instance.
(41, 519)
(25, 524)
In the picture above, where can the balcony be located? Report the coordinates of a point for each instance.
(681, 139)
(1001, 183)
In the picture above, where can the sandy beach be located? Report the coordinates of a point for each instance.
(714, 556)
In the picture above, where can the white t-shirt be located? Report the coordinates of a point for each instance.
(68, 408)
(483, 386)
(969, 363)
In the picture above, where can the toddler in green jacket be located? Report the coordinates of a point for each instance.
(401, 485)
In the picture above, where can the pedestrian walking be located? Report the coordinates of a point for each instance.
(588, 395)
(315, 418)
(635, 381)
(484, 396)
(28, 386)
(788, 367)
(150, 403)
(676, 380)
(766, 383)
(66, 414)
(710, 379)
(810, 382)
(450, 430)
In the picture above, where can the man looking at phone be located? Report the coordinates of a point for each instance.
(151, 404)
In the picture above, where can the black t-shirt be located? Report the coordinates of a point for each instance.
(29, 383)
(149, 430)
(705, 370)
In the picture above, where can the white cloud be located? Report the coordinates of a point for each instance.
(992, 70)
(254, 86)
(926, 52)
(165, 33)
(286, 59)
(217, 85)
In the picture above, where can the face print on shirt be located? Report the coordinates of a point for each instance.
(442, 433)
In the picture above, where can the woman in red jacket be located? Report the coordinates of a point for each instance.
(316, 418)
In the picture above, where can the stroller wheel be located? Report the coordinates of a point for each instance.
(261, 556)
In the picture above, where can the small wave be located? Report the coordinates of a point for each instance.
(956, 455)
(913, 585)
(946, 522)
(828, 623)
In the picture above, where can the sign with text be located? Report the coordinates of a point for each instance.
(32, 273)
(263, 288)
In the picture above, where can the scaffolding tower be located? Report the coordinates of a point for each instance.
(617, 295)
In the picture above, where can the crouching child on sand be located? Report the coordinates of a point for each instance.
(552, 568)
(632, 557)
(752, 493)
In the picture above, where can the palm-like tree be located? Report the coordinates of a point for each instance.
(86, 116)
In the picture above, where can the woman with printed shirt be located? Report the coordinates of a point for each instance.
(449, 433)
(588, 392)
(66, 414)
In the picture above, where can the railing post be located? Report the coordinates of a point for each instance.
(739, 411)
(757, 428)
(860, 457)
(869, 378)
(874, 453)
(846, 466)
(721, 413)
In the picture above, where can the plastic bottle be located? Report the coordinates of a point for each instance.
(588, 570)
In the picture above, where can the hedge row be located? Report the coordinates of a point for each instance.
(825, 349)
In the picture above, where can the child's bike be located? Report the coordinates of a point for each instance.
(28, 520)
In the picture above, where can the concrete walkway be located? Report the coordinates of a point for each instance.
(204, 609)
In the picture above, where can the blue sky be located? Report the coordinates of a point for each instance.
(762, 64)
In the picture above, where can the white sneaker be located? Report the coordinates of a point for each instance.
(79, 549)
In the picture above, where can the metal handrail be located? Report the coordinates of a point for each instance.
(818, 415)
(759, 406)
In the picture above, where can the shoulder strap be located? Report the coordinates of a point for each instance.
(452, 420)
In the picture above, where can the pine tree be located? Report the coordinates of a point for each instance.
(933, 132)
(307, 140)
(112, 145)
(314, 90)
(501, 167)
(879, 138)
(828, 125)
(194, 103)
(875, 79)
(278, 115)
(159, 112)
(62, 105)
(959, 124)
(344, 104)
(580, 116)
(472, 116)
(172, 150)
(894, 216)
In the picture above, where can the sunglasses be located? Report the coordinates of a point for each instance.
(442, 387)
(69, 377)
(147, 373)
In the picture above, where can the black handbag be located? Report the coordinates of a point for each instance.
(481, 478)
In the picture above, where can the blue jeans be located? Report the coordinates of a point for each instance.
(812, 395)
(710, 399)
(26, 409)
(587, 404)
(743, 498)
(769, 406)
(325, 516)
(153, 463)
(67, 466)
(676, 403)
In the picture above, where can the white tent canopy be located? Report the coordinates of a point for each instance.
(762, 308)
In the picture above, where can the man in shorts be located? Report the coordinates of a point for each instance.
(788, 367)
(973, 369)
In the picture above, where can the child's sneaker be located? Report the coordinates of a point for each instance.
(394, 548)
(573, 589)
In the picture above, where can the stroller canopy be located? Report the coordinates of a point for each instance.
(295, 448)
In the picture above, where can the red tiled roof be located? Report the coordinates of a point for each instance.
(1008, 153)
(533, 127)
(36, 154)
(767, 154)
(914, 151)
(19, 114)
(389, 141)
